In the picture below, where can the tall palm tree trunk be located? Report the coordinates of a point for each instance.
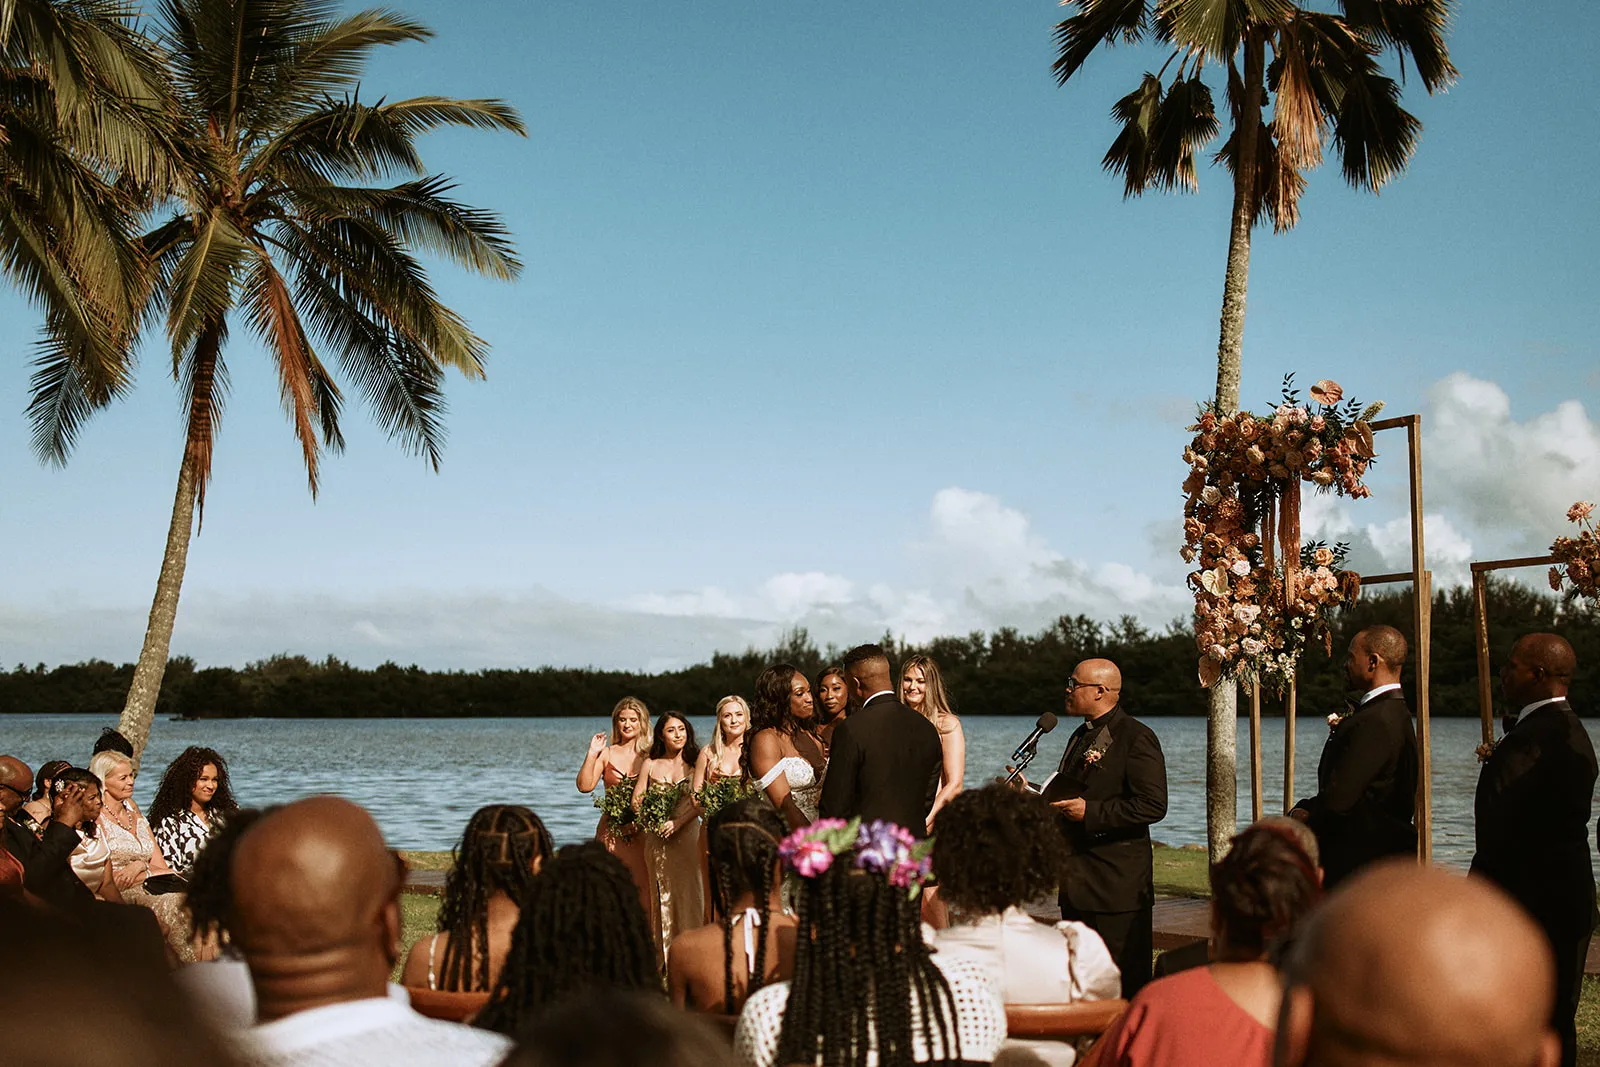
(140, 709)
(1222, 716)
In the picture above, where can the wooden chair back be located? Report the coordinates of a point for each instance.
(451, 1007)
(1083, 1019)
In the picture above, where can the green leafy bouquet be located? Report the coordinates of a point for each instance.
(721, 792)
(616, 803)
(659, 804)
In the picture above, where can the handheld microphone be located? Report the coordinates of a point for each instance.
(1046, 723)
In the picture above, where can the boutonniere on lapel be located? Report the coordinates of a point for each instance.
(1334, 719)
(1486, 750)
(1097, 751)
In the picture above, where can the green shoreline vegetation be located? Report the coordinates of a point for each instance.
(1002, 673)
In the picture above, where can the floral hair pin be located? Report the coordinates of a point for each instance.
(880, 847)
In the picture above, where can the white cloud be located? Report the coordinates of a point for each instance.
(1508, 483)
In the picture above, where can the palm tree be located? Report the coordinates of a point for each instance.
(84, 128)
(1323, 82)
(284, 223)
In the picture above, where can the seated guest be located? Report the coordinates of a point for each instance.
(563, 1035)
(713, 968)
(95, 993)
(501, 850)
(1225, 1012)
(13, 793)
(314, 907)
(191, 803)
(45, 849)
(36, 812)
(134, 855)
(112, 740)
(581, 928)
(866, 989)
(996, 850)
(91, 859)
(1411, 965)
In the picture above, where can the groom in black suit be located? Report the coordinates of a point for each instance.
(885, 759)
(1366, 800)
(1110, 787)
(1532, 807)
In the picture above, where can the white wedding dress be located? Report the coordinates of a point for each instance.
(804, 785)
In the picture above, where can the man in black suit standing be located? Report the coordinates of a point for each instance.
(1366, 801)
(885, 758)
(1110, 787)
(1532, 809)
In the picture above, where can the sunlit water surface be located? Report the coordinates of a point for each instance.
(422, 778)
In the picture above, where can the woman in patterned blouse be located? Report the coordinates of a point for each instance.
(191, 804)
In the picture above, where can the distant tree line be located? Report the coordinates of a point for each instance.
(1002, 673)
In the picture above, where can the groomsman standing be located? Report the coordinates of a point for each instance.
(1532, 808)
(1111, 785)
(1365, 807)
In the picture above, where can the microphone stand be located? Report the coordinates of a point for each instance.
(1023, 758)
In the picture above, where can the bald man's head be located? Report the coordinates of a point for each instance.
(1394, 969)
(16, 782)
(1540, 667)
(315, 904)
(1094, 688)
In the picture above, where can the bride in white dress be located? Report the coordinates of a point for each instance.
(783, 758)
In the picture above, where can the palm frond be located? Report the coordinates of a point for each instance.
(1097, 22)
(309, 396)
(1414, 28)
(1373, 134)
(62, 396)
(204, 378)
(423, 217)
(1279, 184)
(1185, 120)
(1215, 29)
(1298, 121)
(203, 279)
(331, 56)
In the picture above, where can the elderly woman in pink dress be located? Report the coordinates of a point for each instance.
(135, 858)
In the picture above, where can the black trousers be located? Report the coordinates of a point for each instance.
(1571, 952)
(1128, 937)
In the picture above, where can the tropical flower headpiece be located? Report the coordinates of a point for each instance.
(880, 847)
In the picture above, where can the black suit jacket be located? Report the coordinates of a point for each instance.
(1124, 791)
(1366, 801)
(46, 868)
(884, 764)
(1532, 808)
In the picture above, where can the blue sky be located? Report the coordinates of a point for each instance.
(830, 316)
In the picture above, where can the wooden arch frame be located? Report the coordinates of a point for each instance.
(1480, 625)
(1422, 624)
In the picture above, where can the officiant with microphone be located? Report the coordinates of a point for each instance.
(1110, 787)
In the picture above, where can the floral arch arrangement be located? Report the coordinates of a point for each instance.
(1578, 558)
(1261, 595)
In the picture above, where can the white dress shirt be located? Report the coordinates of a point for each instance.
(378, 1031)
(1373, 694)
(1523, 714)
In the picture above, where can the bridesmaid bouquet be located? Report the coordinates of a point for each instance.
(616, 803)
(659, 803)
(720, 793)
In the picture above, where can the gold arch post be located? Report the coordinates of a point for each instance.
(1422, 627)
(1480, 625)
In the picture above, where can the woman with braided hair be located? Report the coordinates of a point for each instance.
(715, 967)
(502, 848)
(866, 989)
(581, 930)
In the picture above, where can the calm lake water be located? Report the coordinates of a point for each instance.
(422, 778)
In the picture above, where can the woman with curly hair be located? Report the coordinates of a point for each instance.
(922, 690)
(702, 969)
(1227, 1012)
(581, 930)
(866, 988)
(997, 850)
(192, 802)
(782, 757)
(502, 848)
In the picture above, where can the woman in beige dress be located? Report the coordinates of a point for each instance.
(672, 846)
(616, 761)
(134, 855)
(922, 690)
(718, 761)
